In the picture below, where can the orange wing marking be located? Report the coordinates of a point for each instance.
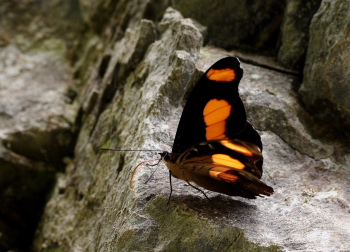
(222, 75)
(239, 148)
(216, 131)
(222, 159)
(223, 173)
(228, 176)
(215, 113)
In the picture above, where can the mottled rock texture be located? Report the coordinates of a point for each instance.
(325, 89)
(37, 117)
(134, 64)
(36, 132)
(295, 32)
(248, 25)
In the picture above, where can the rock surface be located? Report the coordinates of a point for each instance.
(36, 132)
(36, 115)
(134, 75)
(295, 32)
(248, 25)
(325, 89)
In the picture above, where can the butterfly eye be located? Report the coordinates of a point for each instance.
(166, 156)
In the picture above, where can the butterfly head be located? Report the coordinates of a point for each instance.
(166, 156)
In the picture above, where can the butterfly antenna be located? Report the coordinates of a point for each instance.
(146, 161)
(152, 174)
(108, 149)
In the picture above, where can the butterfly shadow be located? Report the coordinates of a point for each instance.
(221, 205)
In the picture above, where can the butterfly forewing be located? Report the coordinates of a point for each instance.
(213, 107)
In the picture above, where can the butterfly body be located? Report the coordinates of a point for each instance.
(215, 147)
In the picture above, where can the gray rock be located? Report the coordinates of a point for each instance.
(36, 120)
(171, 14)
(35, 111)
(275, 107)
(325, 89)
(39, 25)
(247, 25)
(295, 32)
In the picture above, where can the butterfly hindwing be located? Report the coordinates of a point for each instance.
(225, 166)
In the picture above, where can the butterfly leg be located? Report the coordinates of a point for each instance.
(153, 172)
(203, 194)
(171, 187)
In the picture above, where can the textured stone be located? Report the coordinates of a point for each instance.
(39, 24)
(24, 184)
(33, 125)
(325, 88)
(35, 134)
(274, 107)
(36, 117)
(295, 32)
(247, 25)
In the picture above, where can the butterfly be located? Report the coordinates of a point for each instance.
(215, 146)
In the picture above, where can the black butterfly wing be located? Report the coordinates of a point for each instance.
(215, 147)
(214, 109)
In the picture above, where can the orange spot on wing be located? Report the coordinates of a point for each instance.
(226, 160)
(216, 131)
(227, 176)
(239, 148)
(222, 75)
(213, 105)
(223, 173)
(215, 113)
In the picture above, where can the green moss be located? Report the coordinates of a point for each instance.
(183, 231)
(106, 144)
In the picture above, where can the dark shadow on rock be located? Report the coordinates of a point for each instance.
(219, 205)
